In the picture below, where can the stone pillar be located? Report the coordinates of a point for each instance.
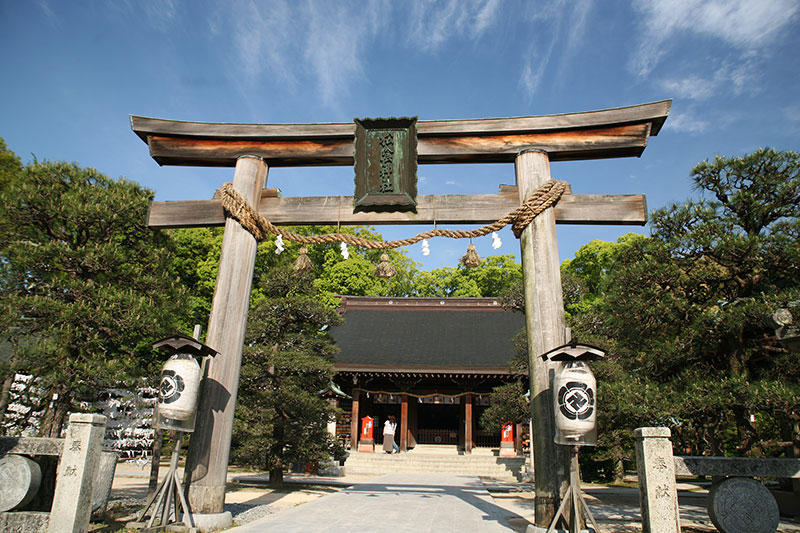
(207, 460)
(72, 503)
(544, 321)
(658, 496)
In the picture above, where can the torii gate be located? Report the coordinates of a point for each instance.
(529, 142)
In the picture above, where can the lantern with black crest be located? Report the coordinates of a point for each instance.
(179, 387)
(575, 394)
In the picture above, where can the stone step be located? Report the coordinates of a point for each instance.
(432, 459)
(507, 468)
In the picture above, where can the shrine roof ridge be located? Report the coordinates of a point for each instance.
(428, 303)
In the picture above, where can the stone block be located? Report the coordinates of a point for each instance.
(211, 521)
(76, 471)
(103, 479)
(742, 505)
(737, 466)
(658, 495)
(24, 522)
(20, 478)
(31, 445)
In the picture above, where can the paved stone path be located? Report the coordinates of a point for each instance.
(396, 503)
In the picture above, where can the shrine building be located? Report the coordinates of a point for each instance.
(430, 362)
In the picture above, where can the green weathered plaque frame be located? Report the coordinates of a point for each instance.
(386, 164)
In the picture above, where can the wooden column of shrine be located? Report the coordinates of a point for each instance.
(354, 421)
(404, 423)
(468, 439)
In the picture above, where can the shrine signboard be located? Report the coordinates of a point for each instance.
(386, 164)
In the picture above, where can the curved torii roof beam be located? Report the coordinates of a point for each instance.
(619, 132)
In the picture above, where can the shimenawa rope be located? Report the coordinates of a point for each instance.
(236, 206)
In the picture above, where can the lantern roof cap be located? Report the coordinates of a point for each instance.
(572, 351)
(179, 342)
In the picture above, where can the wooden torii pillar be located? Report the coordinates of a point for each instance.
(531, 143)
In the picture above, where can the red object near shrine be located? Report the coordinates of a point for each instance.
(367, 424)
(508, 433)
(507, 441)
(366, 442)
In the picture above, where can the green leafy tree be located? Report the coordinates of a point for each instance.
(197, 260)
(281, 418)
(583, 275)
(10, 166)
(10, 172)
(508, 404)
(685, 310)
(494, 276)
(84, 282)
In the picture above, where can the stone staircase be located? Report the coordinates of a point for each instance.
(434, 461)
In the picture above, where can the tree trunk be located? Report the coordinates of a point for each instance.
(56, 413)
(619, 469)
(275, 459)
(62, 405)
(5, 394)
(47, 418)
(276, 475)
(155, 461)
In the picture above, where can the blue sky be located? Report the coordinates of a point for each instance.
(75, 70)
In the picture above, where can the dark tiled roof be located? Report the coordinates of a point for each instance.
(425, 332)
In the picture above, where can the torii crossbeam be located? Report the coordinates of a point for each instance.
(529, 142)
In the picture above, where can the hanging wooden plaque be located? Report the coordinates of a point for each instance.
(386, 164)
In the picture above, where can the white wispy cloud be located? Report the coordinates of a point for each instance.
(548, 39)
(161, 14)
(433, 24)
(694, 87)
(49, 14)
(334, 47)
(686, 123)
(746, 25)
(259, 37)
(741, 77)
(292, 41)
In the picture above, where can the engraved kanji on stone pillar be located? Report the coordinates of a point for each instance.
(658, 495)
(72, 502)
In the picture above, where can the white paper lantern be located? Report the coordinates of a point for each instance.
(574, 395)
(178, 392)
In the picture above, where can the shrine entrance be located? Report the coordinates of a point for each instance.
(387, 196)
(439, 421)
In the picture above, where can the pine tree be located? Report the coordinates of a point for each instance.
(281, 417)
(84, 287)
